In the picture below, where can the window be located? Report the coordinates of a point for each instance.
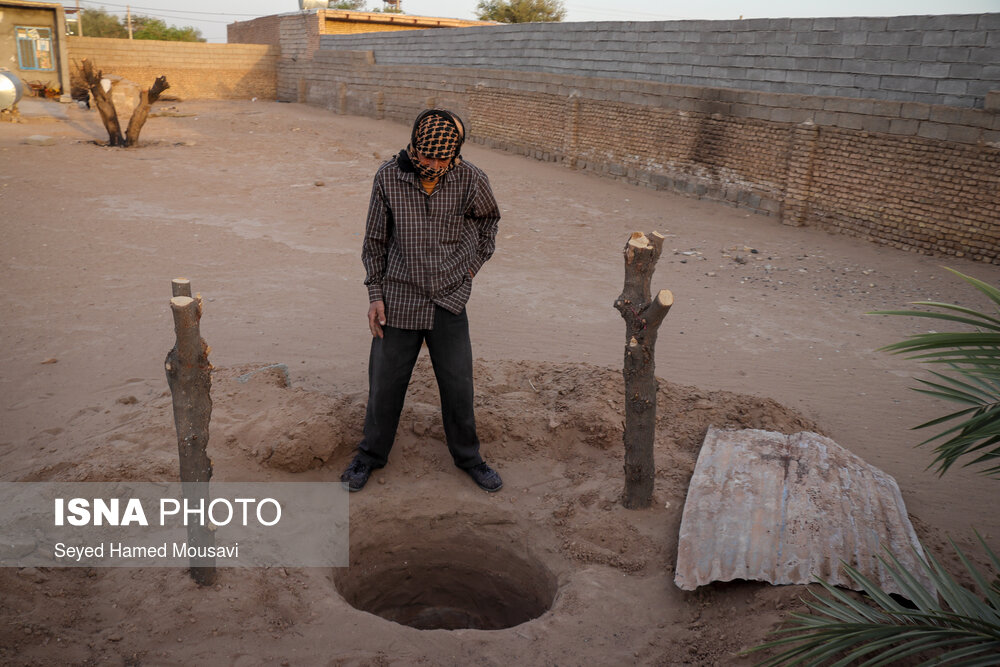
(34, 48)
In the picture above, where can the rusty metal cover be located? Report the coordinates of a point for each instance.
(787, 509)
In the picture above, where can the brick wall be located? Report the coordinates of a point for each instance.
(911, 175)
(298, 37)
(351, 27)
(952, 60)
(263, 30)
(911, 162)
(194, 70)
(266, 29)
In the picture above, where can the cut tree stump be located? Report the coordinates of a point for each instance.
(180, 287)
(642, 315)
(106, 108)
(189, 376)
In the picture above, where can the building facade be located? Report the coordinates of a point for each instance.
(33, 45)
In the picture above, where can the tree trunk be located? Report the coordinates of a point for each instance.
(107, 108)
(141, 113)
(180, 287)
(104, 104)
(190, 380)
(643, 316)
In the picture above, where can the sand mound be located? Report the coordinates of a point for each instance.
(428, 549)
(563, 412)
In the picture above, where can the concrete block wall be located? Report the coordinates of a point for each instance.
(910, 175)
(193, 69)
(951, 60)
(298, 37)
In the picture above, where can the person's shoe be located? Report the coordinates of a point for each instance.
(485, 477)
(356, 475)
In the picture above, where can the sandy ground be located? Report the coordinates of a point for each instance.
(261, 205)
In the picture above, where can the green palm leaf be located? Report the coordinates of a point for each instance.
(992, 292)
(952, 626)
(972, 379)
(978, 319)
(946, 624)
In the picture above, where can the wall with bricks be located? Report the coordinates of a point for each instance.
(904, 159)
(193, 69)
(263, 30)
(907, 174)
(351, 27)
(952, 60)
(298, 37)
(266, 29)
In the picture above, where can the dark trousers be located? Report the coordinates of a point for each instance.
(390, 365)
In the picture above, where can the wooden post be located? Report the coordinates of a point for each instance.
(190, 380)
(643, 316)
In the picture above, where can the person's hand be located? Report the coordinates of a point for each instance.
(376, 318)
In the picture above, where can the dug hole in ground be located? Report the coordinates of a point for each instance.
(262, 206)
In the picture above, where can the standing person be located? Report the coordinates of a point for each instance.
(432, 223)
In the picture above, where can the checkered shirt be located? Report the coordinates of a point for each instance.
(419, 248)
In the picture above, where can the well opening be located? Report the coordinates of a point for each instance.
(447, 577)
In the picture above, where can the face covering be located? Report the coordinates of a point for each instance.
(423, 171)
(436, 137)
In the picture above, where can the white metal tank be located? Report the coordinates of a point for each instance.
(11, 89)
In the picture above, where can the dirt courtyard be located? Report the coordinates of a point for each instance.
(262, 206)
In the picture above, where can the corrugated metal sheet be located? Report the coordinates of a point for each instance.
(786, 509)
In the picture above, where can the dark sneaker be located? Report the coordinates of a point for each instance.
(356, 475)
(485, 477)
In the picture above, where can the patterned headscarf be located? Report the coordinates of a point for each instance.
(437, 134)
(437, 137)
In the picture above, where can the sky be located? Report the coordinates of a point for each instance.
(211, 17)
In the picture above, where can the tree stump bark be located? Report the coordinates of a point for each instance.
(106, 108)
(189, 376)
(642, 315)
(141, 113)
(180, 287)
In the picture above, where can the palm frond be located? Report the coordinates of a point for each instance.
(991, 292)
(950, 625)
(972, 379)
(947, 624)
(978, 319)
(955, 391)
(971, 312)
(983, 343)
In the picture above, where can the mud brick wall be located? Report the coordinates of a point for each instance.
(267, 29)
(194, 70)
(263, 30)
(952, 191)
(914, 176)
(348, 27)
